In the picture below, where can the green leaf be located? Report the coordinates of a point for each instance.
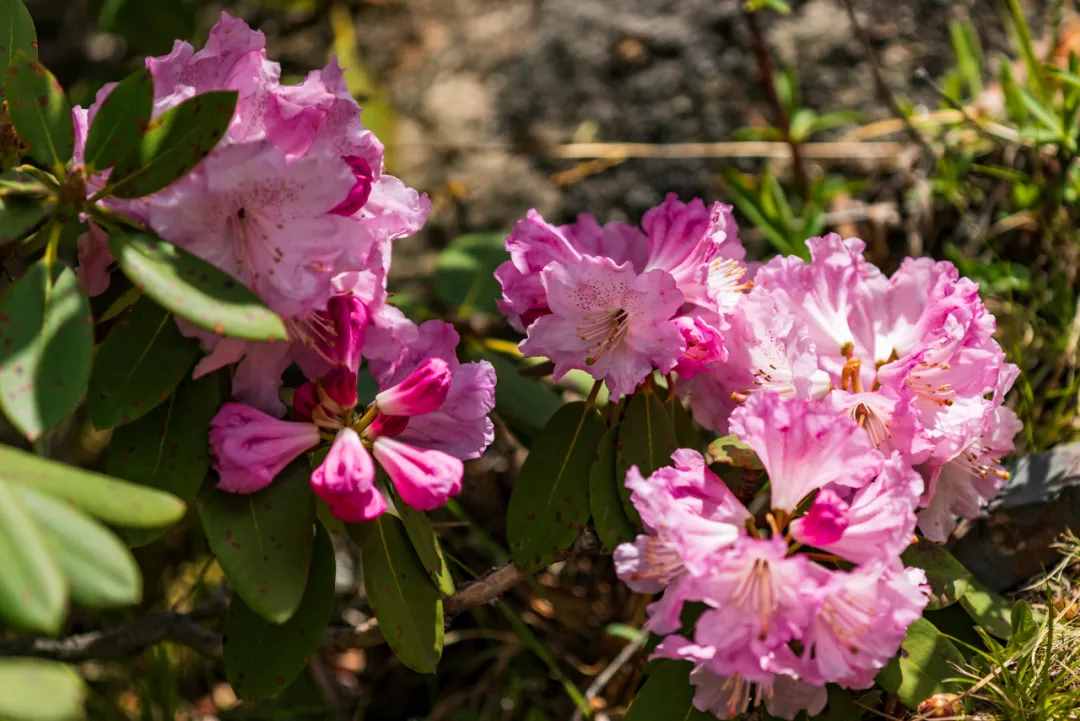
(949, 579)
(193, 289)
(121, 121)
(990, 610)
(169, 447)
(646, 440)
(605, 503)
(16, 32)
(526, 404)
(108, 499)
(666, 694)
(99, 569)
(426, 544)
(32, 589)
(20, 214)
(464, 273)
(263, 540)
(46, 343)
(927, 660)
(138, 366)
(263, 658)
(687, 432)
(401, 593)
(172, 144)
(40, 112)
(148, 28)
(36, 690)
(731, 451)
(549, 504)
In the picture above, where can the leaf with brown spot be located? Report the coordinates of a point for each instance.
(40, 111)
(16, 33)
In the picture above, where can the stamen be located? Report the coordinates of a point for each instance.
(603, 331)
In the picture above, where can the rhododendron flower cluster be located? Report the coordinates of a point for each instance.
(874, 403)
(294, 203)
(621, 302)
(796, 599)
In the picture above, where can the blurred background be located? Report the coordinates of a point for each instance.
(926, 127)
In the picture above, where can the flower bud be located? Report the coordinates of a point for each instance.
(340, 386)
(385, 425)
(251, 447)
(825, 522)
(304, 401)
(424, 478)
(423, 391)
(350, 317)
(345, 480)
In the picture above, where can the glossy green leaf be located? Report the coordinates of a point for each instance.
(141, 362)
(33, 689)
(990, 610)
(19, 215)
(687, 432)
(400, 591)
(526, 404)
(646, 440)
(169, 447)
(605, 503)
(113, 501)
(46, 343)
(17, 32)
(120, 122)
(426, 544)
(464, 272)
(172, 144)
(39, 110)
(926, 661)
(32, 588)
(949, 579)
(549, 504)
(100, 571)
(263, 658)
(666, 694)
(263, 540)
(193, 289)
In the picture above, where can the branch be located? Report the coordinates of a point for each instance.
(126, 640)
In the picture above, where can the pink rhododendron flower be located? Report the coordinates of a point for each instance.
(251, 447)
(804, 446)
(609, 321)
(345, 480)
(424, 478)
(877, 523)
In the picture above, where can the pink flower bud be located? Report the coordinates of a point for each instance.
(340, 386)
(251, 447)
(424, 479)
(423, 391)
(361, 190)
(304, 401)
(385, 425)
(350, 317)
(345, 480)
(826, 520)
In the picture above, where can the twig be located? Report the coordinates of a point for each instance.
(885, 94)
(131, 638)
(628, 652)
(767, 79)
(766, 149)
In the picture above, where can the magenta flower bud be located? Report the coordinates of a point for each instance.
(251, 447)
(350, 317)
(424, 478)
(340, 386)
(423, 391)
(361, 190)
(345, 480)
(385, 425)
(826, 520)
(304, 401)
